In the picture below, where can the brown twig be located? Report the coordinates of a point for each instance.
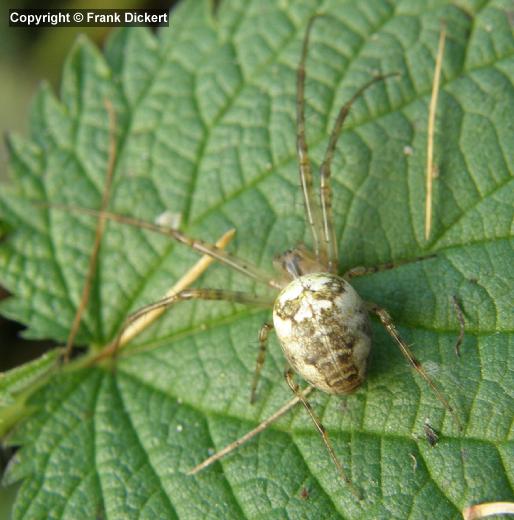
(100, 228)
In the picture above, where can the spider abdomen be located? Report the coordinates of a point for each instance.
(323, 327)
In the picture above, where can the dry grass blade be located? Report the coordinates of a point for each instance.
(431, 127)
(146, 319)
(488, 509)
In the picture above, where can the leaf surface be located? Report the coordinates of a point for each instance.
(206, 128)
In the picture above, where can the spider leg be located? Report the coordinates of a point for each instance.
(263, 344)
(250, 435)
(329, 236)
(289, 375)
(312, 210)
(362, 270)
(387, 322)
(137, 326)
(205, 248)
(187, 294)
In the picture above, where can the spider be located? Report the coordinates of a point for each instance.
(321, 322)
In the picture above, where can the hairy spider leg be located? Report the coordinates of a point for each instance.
(183, 283)
(312, 210)
(187, 294)
(320, 219)
(361, 270)
(243, 266)
(389, 325)
(261, 356)
(329, 234)
(289, 375)
(263, 425)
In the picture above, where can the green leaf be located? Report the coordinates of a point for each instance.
(19, 379)
(17, 384)
(206, 128)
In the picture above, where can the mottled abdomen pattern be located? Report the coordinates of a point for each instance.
(324, 330)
